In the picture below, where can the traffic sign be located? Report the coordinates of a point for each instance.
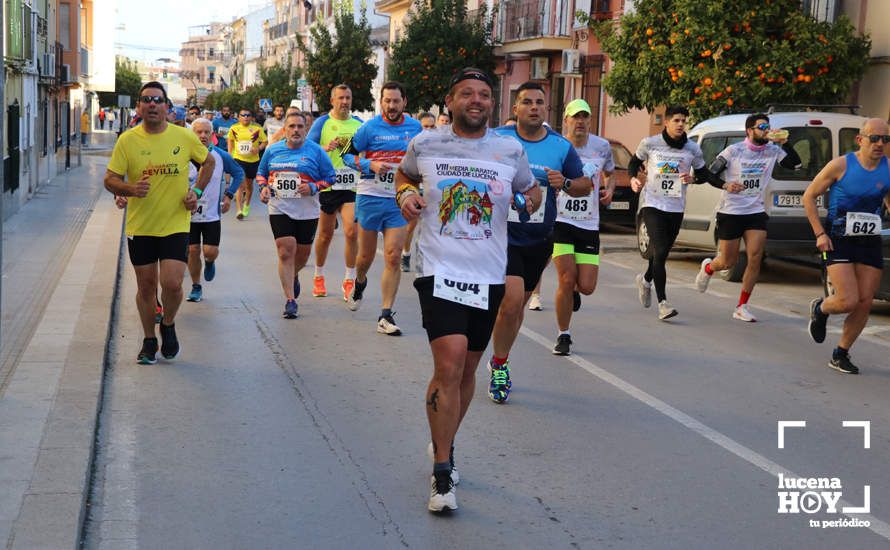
(301, 82)
(266, 104)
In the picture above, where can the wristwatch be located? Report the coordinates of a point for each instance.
(230, 195)
(566, 183)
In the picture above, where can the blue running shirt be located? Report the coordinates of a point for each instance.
(859, 190)
(309, 163)
(554, 152)
(383, 141)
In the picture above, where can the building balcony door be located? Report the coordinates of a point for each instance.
(591, 87)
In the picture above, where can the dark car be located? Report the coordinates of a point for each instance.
(883, 292)
(622, 210)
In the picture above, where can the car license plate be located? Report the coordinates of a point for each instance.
(619, 205)
(791, 200)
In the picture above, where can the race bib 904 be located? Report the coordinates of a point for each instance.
(862, 224)
(468, 294)
(287, 185)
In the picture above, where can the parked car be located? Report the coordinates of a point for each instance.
(816, 136)
(622, 209)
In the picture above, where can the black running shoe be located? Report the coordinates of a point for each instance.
(169, 343)
(818, 321)
(563, 345)
(842, 364)
(148, 355)
(576, 300)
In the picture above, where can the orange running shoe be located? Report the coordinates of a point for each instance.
(318, 289)
(347, 288)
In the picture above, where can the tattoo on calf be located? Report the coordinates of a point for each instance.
(432, 402)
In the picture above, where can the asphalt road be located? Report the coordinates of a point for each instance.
(311, 433)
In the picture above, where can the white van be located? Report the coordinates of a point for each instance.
(816, 136)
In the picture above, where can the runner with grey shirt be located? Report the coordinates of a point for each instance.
(469, 175)
(670, 158)
(741, 213)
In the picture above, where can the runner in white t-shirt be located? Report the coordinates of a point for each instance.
(741, 213)
(469, 176)
(576, 236)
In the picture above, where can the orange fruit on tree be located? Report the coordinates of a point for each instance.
(729, 101)
(649, 32)
(707, 81)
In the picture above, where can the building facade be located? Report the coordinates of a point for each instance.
(204, 65)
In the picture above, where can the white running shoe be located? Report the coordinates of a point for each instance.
(534, 303)
(743, 314)
(387, 325)
(442, 497)
(702, 279)
(666, 310)
(455, 477)
(645, 290)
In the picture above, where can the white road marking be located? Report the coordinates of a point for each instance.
(878, 526)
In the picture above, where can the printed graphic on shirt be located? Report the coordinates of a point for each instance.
(667, 182)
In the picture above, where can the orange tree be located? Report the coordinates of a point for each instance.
(723, 55)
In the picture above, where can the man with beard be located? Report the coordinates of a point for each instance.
(290, 175)
(557, 167)
(221, 125)
(741, 213)
(276, 121)
(154, 157)
(459, 294)
(333, 132)
(383, 140)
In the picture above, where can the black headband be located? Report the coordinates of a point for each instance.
(470, 73)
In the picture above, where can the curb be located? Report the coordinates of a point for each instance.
(54, 506)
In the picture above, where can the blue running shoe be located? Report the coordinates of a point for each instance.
(195, 294)
(499, 386)
(209, 271)
(290, 310)
(296, 288)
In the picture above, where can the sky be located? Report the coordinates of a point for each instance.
(158, 31)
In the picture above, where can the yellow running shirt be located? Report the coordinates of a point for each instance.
(165, 158)
(242, 138)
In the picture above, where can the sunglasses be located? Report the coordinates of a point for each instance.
(874, 138)
(243, 114)
(763, 126)
(156, 99)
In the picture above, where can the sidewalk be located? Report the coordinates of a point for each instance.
(61, 256)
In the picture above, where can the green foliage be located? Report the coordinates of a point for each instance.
(439, 39)
(342, 58)
(724, 55)
(278, 83)
(126, 82)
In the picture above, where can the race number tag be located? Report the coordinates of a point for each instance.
(386, 180)
(751, 178)
(203, 203)
(575, 208)
(468, 294)
(668, 185)
(536, 217)
(862, 224)
(244, 147)
(287, 185)
(346, 179)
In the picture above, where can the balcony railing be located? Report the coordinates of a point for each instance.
(277, 31)
(525, 19)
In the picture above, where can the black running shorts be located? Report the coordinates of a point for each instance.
(145, 250)
(855, 250)
(285, 226)
(443, 317)
(732, 226)
(207, 232)
(529, 262)
(332, 200)
(249, 168)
